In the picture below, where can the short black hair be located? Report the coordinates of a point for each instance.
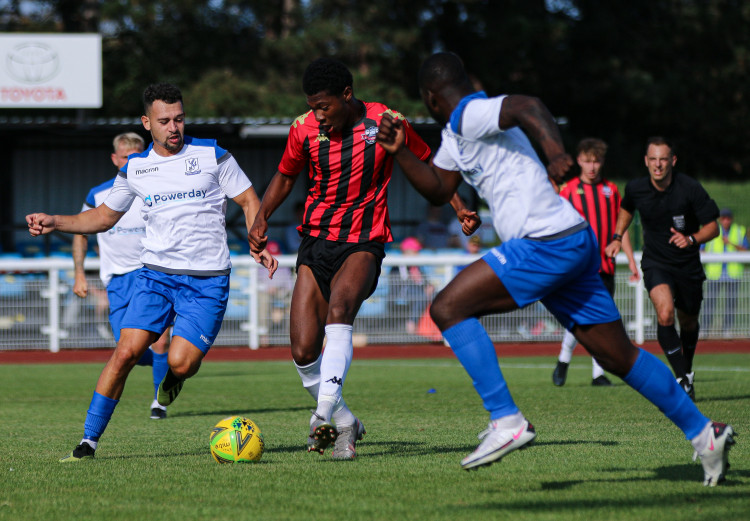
(326, 75)
(442, 69)
(659, 141)
(165, 92)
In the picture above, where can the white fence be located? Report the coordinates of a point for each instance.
(38, 309)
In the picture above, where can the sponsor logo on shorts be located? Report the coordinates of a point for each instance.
(174, 197)
(499, 256)
(205, 340)
(121, 230)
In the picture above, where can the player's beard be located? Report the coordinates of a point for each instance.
(174, 147)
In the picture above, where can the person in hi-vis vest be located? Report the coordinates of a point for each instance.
(724, 277)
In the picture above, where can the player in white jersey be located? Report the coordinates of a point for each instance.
(548, 253)
(120, 257)
(183, 184)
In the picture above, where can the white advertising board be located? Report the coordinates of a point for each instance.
(50, 70)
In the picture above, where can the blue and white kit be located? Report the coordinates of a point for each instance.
(546, 245)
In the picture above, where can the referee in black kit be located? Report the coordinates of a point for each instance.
(677, 216)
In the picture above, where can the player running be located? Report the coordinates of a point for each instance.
(548, 254)
(183, 183)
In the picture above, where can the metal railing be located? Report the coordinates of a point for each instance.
(38, 309)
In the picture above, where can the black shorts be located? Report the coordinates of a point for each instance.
(325, 258)
(609, 282)
(686, 292)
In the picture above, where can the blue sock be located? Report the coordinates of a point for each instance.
(160, 369)
(98, 416)
(147, 358)
(655, 382)
(472, 346)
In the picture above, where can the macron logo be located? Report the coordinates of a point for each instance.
(174, 197)
(146, 170)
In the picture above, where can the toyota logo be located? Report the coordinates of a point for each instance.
(32, 63)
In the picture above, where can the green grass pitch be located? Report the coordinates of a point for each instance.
(601, 453)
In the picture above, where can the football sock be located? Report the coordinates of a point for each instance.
(147, 358)
(98, 416)
(472, 346)
(653, 380)
(700, 442)
(569, 343)
(160, 367)
(512, 421)
(670, 343)
(689, 344)
(310, 376)
(336, 359)
(596, 369)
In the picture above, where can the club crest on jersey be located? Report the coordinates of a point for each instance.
(192, 167)
(607, 191)
(369, 135)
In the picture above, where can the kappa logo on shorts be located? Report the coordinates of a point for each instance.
(192, 167)
(368, 136)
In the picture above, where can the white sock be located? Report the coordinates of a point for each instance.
(596, 369)
(93, 444)
(700, 442)
(157, 405)
(566, 349)
(512, 421)
(336, 359)
(310, 376)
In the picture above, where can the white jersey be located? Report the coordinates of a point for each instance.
(120, 247)
(184, 205)
(504, 169)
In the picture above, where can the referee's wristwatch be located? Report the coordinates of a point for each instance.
(691, 240)
(616, 237)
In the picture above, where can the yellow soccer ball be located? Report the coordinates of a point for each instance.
(236, 440)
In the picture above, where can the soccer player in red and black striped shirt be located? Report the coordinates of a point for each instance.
(344, 229)
(598, 201)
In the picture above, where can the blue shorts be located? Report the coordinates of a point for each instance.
(120, 292)
(196, 305)
(561, 273)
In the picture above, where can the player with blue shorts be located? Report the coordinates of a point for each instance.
(548, 253)
(119, 259)
(183, 184)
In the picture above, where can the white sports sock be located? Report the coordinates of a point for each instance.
(700, 442)
(566, 349)
(596, 369)
(93, 444)
(512, 421)
(336, 359)
(310, 376)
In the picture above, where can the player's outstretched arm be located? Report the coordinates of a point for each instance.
(250, 204)
(435, 184)
(80, 245)
(278, 190)
(99, 219)
(535, 119)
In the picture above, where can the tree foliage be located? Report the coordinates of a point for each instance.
(619, 70)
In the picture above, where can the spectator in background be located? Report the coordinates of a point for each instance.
(433, 233)
(411, 292)
(724, 276)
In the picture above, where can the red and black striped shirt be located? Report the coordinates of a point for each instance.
(350, 174)
(598, 204)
